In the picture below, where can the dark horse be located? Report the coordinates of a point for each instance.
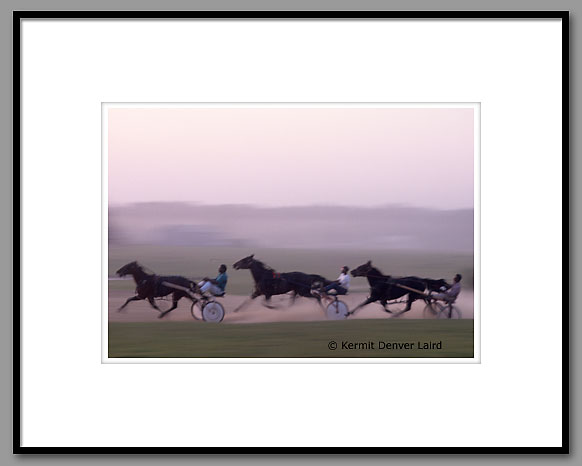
(150, 286)
(268, 282)
(385, 288)
(436, 285)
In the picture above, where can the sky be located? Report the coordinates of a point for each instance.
(276, 157)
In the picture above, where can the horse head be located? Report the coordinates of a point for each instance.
(362, 270)
(128, 269)
(244, 263)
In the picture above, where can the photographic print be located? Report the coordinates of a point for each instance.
(316, 214)
(291, 231)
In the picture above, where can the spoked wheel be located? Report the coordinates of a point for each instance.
(456, 313)
(336, 310)
(430, 311)
(213, 312)
(194, 310)
(448, 312)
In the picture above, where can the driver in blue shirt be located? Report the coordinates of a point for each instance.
(216, 286)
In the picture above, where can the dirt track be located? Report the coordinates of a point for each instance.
(304, 309)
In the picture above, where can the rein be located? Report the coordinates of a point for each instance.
(385, 277)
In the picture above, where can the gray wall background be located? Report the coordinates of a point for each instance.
(7, 255)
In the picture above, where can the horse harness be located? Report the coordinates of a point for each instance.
(154, 279)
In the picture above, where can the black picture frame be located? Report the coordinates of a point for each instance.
(18, 16)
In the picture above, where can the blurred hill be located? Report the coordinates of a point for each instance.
(387, 227)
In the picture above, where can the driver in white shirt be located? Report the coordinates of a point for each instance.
(342, 284)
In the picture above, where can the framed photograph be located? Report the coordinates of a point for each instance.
(254, 219)
(265, 237)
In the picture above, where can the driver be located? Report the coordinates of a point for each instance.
(342, 283)
(451, 294)
(217, 287)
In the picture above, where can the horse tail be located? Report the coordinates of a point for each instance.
(315, 278)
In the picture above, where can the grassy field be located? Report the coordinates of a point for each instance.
(198, 262)
(290, 339)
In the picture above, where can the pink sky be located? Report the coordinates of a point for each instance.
(292, 156)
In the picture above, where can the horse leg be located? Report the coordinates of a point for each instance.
(175, 299)
(293, 298)
(267, 302)
(408, 303)
(323, 308)
(384, 304)
(247, 301)
(359, 306)
(411, 299)
(243, 304)
(153, 303)
(133, 298)
(318, 296)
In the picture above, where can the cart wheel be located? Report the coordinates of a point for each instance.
(193, 312)
(441, 310)
(446, 312)
(455, 312)
(337, 310)
(213, 312)
(430, 311)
